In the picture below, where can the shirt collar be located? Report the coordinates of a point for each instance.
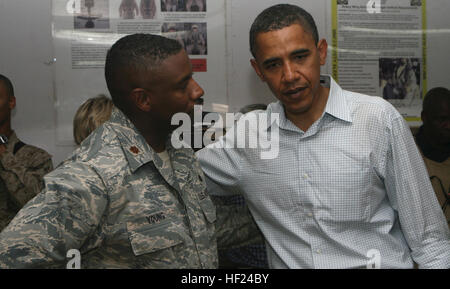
(337, 105)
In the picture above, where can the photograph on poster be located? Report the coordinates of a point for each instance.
(183, 5)
(196, 5)
(94, 14)
(195, 38)
(192, 36)
(400, 79)
(147, 9)
(174, 31)
(128, 9)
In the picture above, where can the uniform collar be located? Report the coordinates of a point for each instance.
(12, 140)
(137, 151)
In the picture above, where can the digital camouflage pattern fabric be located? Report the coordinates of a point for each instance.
(120, 205)
(21, 177)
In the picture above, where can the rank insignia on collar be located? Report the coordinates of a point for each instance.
(134, 150)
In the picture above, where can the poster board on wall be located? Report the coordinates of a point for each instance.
(83, 31)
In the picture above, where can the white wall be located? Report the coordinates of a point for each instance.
(26, 45)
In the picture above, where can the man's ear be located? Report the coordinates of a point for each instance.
(322, 46)
(423, 117)
(141, 98)
(256, 68)
(12, 102)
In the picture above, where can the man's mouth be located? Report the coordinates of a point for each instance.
(295, 92)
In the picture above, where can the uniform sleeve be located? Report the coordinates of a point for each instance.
(411, 195)
(235, 226)
(23, 176)
(60, 218)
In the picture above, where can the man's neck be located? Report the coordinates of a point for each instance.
(155, 137)
(5, 129)
(305, 120)
(154, 134)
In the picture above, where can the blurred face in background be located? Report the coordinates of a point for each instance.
(7, 103)
(437, 123)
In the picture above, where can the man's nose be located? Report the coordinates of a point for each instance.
(290, 72)
(197, 91)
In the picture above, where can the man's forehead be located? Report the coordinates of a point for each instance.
(274, 41)
(174, 68)
(3, 90)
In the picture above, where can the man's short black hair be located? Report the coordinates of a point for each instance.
(435, 97)
(8, 85)
(135, 54)
(278, 17)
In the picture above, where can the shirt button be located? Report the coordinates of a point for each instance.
(305, 176)
(309, 214)
(318, 251)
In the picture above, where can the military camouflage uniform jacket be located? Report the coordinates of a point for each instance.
(22, 168)
(117, 203)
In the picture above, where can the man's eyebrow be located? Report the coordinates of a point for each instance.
(300, 51)
(186, 78)
(270, 60)
(295, 52)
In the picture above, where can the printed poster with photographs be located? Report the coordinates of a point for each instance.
(182, 20)
(84, 30)
(379, 48)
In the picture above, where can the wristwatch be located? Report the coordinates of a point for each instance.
(3, 139)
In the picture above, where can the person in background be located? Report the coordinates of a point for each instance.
(22, 166)
(433, 140)
(128, 197)
(90, 115)
(347, 187)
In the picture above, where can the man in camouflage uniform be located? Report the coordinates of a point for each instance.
(22, 166)
(127, 197)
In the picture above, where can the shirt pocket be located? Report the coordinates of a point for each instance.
(154, 238)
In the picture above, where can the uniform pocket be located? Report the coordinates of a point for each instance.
(149, 238)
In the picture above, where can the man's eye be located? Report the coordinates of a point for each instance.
(272, 65)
